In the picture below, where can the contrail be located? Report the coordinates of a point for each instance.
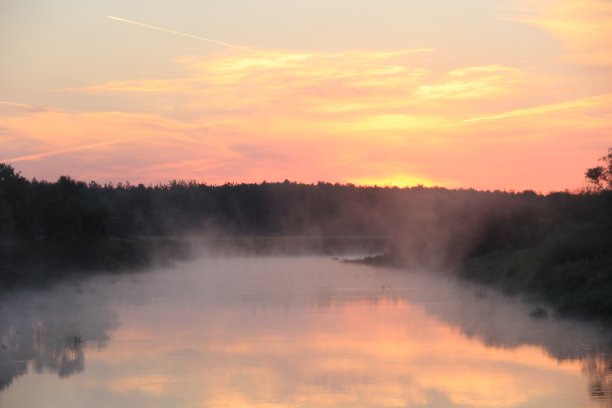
(42, 155)
(225, 44)
(587, 102)
(17, 105)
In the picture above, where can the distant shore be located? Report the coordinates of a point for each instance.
(582, 288)
(36, 264)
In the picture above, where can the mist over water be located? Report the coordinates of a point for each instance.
(293, 331)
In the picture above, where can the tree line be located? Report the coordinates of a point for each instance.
(50, 228)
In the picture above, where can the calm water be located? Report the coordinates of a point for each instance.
(292, 332)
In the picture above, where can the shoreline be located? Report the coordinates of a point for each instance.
(582, 288)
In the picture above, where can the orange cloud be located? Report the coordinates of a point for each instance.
(583, 27)
(472, 82)
(105, 146)
(359, 92)
(318, 84)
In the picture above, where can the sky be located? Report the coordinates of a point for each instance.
(486, 94)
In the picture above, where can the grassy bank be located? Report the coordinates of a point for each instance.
(564, 256)
(581, 287)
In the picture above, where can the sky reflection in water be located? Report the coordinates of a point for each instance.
(304, 331)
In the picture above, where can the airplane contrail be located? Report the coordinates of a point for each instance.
(196, 37)
(588, 102)
(42, 155)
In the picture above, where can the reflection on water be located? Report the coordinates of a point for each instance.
(47, 331)
(302, 331)
(599, 371)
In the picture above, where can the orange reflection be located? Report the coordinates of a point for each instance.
(360, 353)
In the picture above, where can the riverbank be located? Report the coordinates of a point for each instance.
(28, 263)
(31, 264)
(580, 288)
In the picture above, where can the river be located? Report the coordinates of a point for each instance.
(303, 331)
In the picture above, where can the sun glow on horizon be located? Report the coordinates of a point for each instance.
(401, 181)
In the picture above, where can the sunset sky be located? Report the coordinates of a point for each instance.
(490, 94)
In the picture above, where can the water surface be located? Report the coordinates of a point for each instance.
(292, 332)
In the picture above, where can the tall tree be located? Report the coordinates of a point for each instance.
(600, 177)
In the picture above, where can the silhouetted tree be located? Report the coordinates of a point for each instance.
(600, 177)
(12, 190)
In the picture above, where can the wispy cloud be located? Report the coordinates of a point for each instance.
(21, 107)
(582, 103)
(583, 27)
(472, 82)
(357, 86)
